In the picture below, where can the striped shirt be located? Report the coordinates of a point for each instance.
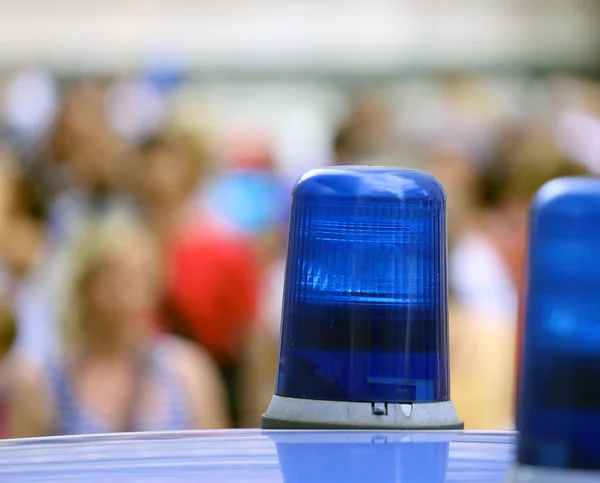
(174, 410)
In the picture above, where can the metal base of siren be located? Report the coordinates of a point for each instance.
(295, 413)
(536, 474)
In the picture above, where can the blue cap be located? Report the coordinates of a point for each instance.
(559, 407)
(365, 295)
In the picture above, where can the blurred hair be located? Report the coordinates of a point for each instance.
(26, 197)
(8, 329)
(528, 178)
(192, 147)
(28, 200)
(519, 169)
(345, 144)
(100, 241)
(74, 93)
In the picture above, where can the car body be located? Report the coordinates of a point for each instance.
(233, 456)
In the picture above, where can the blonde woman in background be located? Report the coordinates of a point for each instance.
(117, 371)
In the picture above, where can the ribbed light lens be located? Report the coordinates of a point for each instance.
(365, 298)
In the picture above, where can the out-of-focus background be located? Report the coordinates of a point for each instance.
(147, 152)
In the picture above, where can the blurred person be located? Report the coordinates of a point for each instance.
(14, 366)
(457, 138)
(8, 331)
(486, 270)
(252, 196)
(116, 371)
(29, 277)
(81, 115)
(262, 348)
(172, 167)
(482, 368)
(486, 262)
(457, 172)
(344, 146)
(87, 168)
(212, 273)
(366, 136)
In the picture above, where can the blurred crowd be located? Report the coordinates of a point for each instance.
(142, 259)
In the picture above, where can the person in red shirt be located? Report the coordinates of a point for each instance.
(211, 280)
(212, 285)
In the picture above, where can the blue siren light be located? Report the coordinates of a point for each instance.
(365, 309)
(559, 407)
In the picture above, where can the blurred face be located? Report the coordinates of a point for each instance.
(123, 289)
(20, 248)
(168, 177)
(374, 125)
(84, 111)
(90, 147)
(94, 165)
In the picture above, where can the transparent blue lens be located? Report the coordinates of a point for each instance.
(559, 408)
(365, 297)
